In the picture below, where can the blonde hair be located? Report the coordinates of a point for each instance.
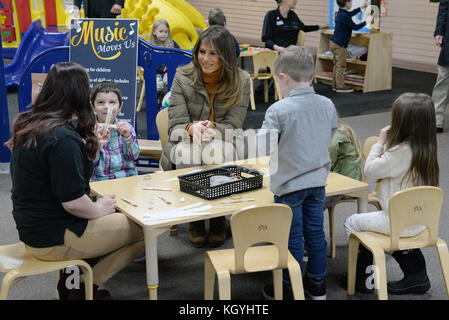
(168, 43)
(231, 84)
(296, 61)
(347, 130)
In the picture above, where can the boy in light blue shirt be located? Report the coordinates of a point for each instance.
(304, 123)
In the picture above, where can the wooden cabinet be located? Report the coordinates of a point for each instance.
(374, 74)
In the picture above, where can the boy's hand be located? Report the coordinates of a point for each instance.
(123, 128)
(439, 41)
(369, 19)
(383, 135)
(102, 139)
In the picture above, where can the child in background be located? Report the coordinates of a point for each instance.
(410, 159)
(346, 157)
(339, 42)
(160, 36)
(305, 123)
(217, 17)
(118, 154)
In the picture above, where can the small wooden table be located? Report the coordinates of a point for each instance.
(131, 188)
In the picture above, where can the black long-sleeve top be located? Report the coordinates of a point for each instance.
(442, 29)
(98, 8)
(281, 31)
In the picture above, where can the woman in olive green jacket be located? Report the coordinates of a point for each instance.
(208, 104)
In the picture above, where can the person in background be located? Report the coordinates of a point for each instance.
(404, 156)
(120, 150)
(53, 145)
(303, 123)
(340, 40)
(281, 26)
(209, 96)
(346, 157)
(99, 8)
(217, 17)
(440, 94)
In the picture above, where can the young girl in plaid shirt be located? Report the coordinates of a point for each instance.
(119, 149)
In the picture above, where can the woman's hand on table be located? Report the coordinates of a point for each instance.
(107, 204)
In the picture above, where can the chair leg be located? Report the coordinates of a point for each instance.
(251, 95)
(265, 90)
(277, 284)
(331, 211)
(294, 270)
(142, 95)
(209, 279)
(7, 282)
(88, 281)
(174, 230)
(443, 254)
(224, 285)
(353, 250)
(380, 279)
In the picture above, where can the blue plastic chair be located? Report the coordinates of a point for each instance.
(149, 58)
(42, 63)
(35, 41)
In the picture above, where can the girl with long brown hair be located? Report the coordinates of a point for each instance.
(404, 156)
(53, 145)
(208, 97)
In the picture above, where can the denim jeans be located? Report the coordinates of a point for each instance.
(307, 222)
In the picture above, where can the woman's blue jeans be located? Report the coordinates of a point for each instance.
(307, 230)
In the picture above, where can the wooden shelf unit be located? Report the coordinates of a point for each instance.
(376, 71)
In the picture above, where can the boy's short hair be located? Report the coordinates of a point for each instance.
(106, 86)
(342, 3)
(216, 17)
(296, 61)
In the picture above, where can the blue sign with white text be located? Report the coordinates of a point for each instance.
(107, 48)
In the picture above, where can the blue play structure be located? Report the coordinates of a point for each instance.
(42, 63)
(5, 154)
(149, 57)
(36, 40)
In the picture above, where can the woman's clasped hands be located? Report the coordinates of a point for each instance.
(201, 132)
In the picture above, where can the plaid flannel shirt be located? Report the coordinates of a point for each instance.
(117, 159)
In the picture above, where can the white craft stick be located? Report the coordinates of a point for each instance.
(163, 199)
(156, 188)
(236, 201)
(107, 122)
(129, 201)
(185, 208)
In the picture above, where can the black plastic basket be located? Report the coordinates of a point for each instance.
(198, 183)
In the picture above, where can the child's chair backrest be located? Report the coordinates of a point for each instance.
(415, 206)
(162, 126)
(264, 59)
(255, 225)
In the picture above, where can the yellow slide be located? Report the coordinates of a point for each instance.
(181, 16)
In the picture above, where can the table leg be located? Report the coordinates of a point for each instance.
(151, 259)
(362, 202)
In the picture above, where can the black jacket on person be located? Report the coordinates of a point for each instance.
(283, 32)
(98, 8)
(442, 29)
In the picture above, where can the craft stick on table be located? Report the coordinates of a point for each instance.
(163, 199)
(129, 201)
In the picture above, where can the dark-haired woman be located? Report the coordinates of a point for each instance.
(410, 159)
(209, 101)
(281, 26)
(53, 145)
